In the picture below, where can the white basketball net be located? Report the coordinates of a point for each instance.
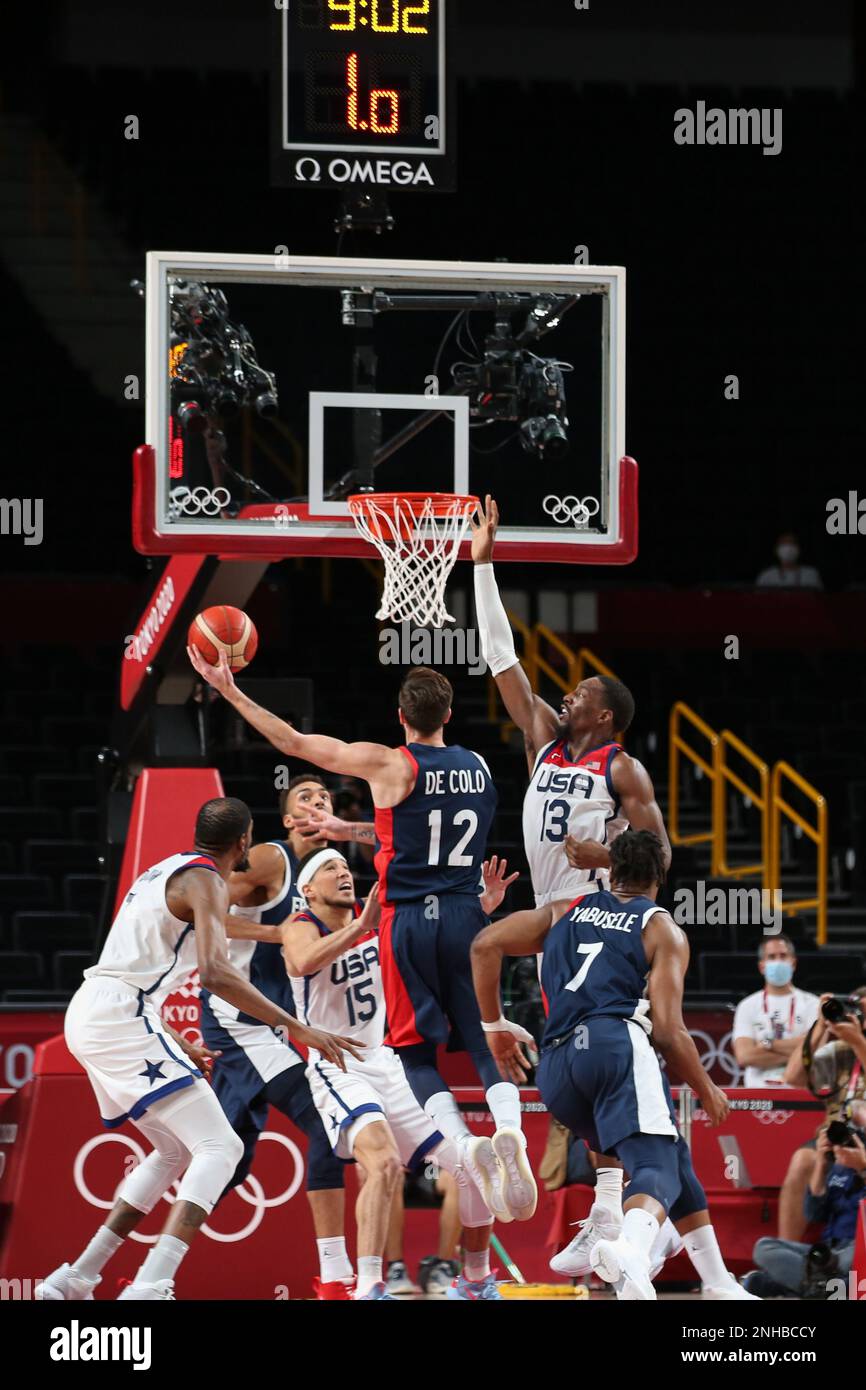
(418, 539)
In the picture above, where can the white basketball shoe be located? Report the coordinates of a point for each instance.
(519, 1190)
(66, 1285)
(574, 1259)
(620, 1263)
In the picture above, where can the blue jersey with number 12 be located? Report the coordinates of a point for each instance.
(435, 840)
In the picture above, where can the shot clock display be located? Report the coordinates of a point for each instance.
(363, 77)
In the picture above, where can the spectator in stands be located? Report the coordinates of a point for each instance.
(832, 1064)
(770, 1025)
(789, 573)
(834, 1194)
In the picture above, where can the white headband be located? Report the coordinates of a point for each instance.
(313, 865)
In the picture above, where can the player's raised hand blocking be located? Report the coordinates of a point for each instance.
(484, 529)
(493, 873)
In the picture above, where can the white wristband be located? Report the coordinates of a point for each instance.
(500, 1026)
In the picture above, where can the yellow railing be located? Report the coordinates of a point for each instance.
(816, 833)
(676, 746)
(765, 797)
(759, 799)
(535, 664)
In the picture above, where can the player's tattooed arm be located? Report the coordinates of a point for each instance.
(318, 822)
(633, 786)
(538, 721)
(667, 950)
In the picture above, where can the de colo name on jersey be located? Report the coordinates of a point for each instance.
(460, 779)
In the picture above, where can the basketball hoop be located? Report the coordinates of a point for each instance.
(418, 535)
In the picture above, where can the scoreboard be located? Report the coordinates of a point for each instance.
(362, 94)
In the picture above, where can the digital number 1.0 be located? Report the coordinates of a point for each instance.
(378, 96)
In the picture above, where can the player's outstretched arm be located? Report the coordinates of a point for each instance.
(207, 898)
(520, 934)
(386, 769)
(318, 822)
(242, 929)
(538, 721)
(667, 950)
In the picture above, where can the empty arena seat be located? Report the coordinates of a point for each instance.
(14, 790)
(85, 893)
(52, 931)
(35, 999)
(19, 968)
(34, 757)
(59, 856)
(69, 967)
(83, 822)
(73, 732)
(72, 789)
(33, 890)
(837, 972)
(19, 823)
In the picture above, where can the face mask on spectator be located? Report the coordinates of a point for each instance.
(778, 972)
(787, 553)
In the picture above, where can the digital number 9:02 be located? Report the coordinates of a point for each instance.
(382, 16)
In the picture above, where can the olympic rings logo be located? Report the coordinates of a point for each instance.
(254, 1196)
(774, 1117)
(565, 509)
(717, 1052)
(200, 501)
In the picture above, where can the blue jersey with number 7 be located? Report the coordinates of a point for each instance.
(594, 963)
(435, 840)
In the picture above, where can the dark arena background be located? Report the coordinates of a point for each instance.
(608, 232)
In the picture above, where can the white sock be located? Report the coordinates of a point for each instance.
(608, 1190)
(334, 1263)
(476, 1264)
(504, 1102)
(703, 1250)
(97, 1254)
(163, 1260)
(443, 1111)
(667, 1238)
(640, 1229)
(369, 1273)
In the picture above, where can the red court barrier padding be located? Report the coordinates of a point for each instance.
(61, 1170)
(20, 1035)
(164, 809)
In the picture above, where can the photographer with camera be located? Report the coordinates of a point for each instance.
(832, 1065)
(836, 1189)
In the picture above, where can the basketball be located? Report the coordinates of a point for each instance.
(224, 629)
